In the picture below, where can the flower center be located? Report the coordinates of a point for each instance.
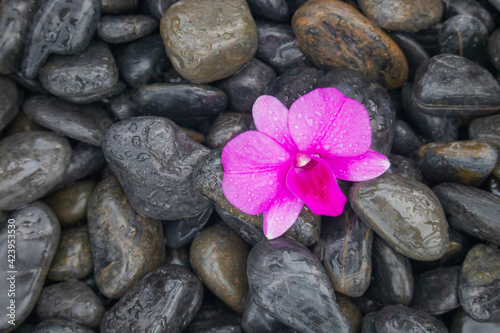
(304, 162)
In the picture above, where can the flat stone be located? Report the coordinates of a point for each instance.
(227, 126)
(125, 28)
(193, 29)
(11, 98)
(333, 34)
(30, 170)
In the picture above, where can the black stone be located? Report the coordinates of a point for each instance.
(215, 319)
(494, 49)
(118, 6)
(486, 129)
(405, 167)
(227, 126)
(61, 326)
(125, 28)
(122, 106)
(405, 142)
(414, 53)
(179, 256)
(249, 232)
(471, 8)
(158, 7)
(11, 98)
(274, 10)
(181, 232)
(462, 323)
(32, 85)
(100, 96)
(256, 320)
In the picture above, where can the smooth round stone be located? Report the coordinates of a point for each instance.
(166, 300)
(293, 83)
(245, 86)
(181, 232)
(86, 123)
(32, 163)
(125, 250)
(118, 6)
(15, 18)
(486, 129)
(22, 123)
(334, 34)
(278, 47)
(405, 213)
(37, 236)
(415, 53)
(392, 276)
(479, 283)
(61, 326)
(451, 85)
(405, 167)
(466, 162)
(153, 159)
(402, 15)
(100, 96)
(125, 28)
(73, 259)
(494, 49)
(471, 210)
(462, 323)
(405, 140)
(436, 290)
(257, 320)
(274, 10)
(219, 257)
(158, 7)
(88, 72)
(209, 40)
(122, 106)
(374, 98)
(350, 311)
(471, 8)
(227, 126)
(216, 319)
(11, 98)
(71, 300)
(344, 248)
(179, 256)
(400, 318)
(61, 27)
(139, 68)
(185, 104)
(289, 282)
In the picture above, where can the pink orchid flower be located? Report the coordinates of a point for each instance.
(296, 156)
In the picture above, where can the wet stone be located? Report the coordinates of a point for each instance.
(278, 47)
(462, 323)
(289, 282)
(450, 85)
(11, 98)
(257, 320)
(125, 250)
(219, 257)
(486, 129)
(479, 283)
(374, 98)
(471, 210)
(71, 300)
(215, 319)
(122, 106)
(86, 73)
(166, 300)
(179, 256)
(405, 213)
(334, 34)
(350, 311)
(100, 96)
(22, 123)
(247, 228)
(61, 326)
(344, 248)
(405, 167)
(469, 7)
(274, 10)
(181, 232)
(37, 236)
(243, 88)
(53, 30)
(125, 28)
(185, 104)
(138, 67)
(153, 159)
(118, 6)
(86, 123)
(227, 126)
(159, 7)
(414, 53)
(494, 49)
(405, 15)
(392, 276)
(38, 162)
(466, 162)
(405, 142)
(73, 259)
(227, 26)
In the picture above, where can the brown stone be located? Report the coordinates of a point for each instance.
(333, 34)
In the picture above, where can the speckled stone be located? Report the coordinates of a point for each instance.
(123, 251)
(227, 126)
(11, 98)
(209, 40)
(219, 257)
(333, 34)
(125, 28)
(73, 259)
(38, 162)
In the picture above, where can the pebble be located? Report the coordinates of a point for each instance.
(406, 141)
(402, 15)
(469, 7)
(61, 326)
(350, 311)
(274, 10)
(493, 49)
(71, 300)
(28, 172)
(159, 7)
(405, 213)
(37, 236)
(486, 129)
(344, 248)
(479, 283)
(118, 6)
(181, 232)
(227, 126)
(462, 323)
(179, 256)
(193, 29)
(53, 30)
(11, 98)
(166, 300)
(215, 318)
(100, 96)
(257, 320)
(471, 210)
(22, 123)
(73, 258)
(333, 34)
(117, 29)
(125, 250)
(415, 53)
(405, 167)
(219, 257)
(153, 159)
(289, 282)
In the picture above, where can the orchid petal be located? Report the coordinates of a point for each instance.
(324, 121)
(255, 168)
(317, 187)
(282, 214)
(358, 168)
(271, 117)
